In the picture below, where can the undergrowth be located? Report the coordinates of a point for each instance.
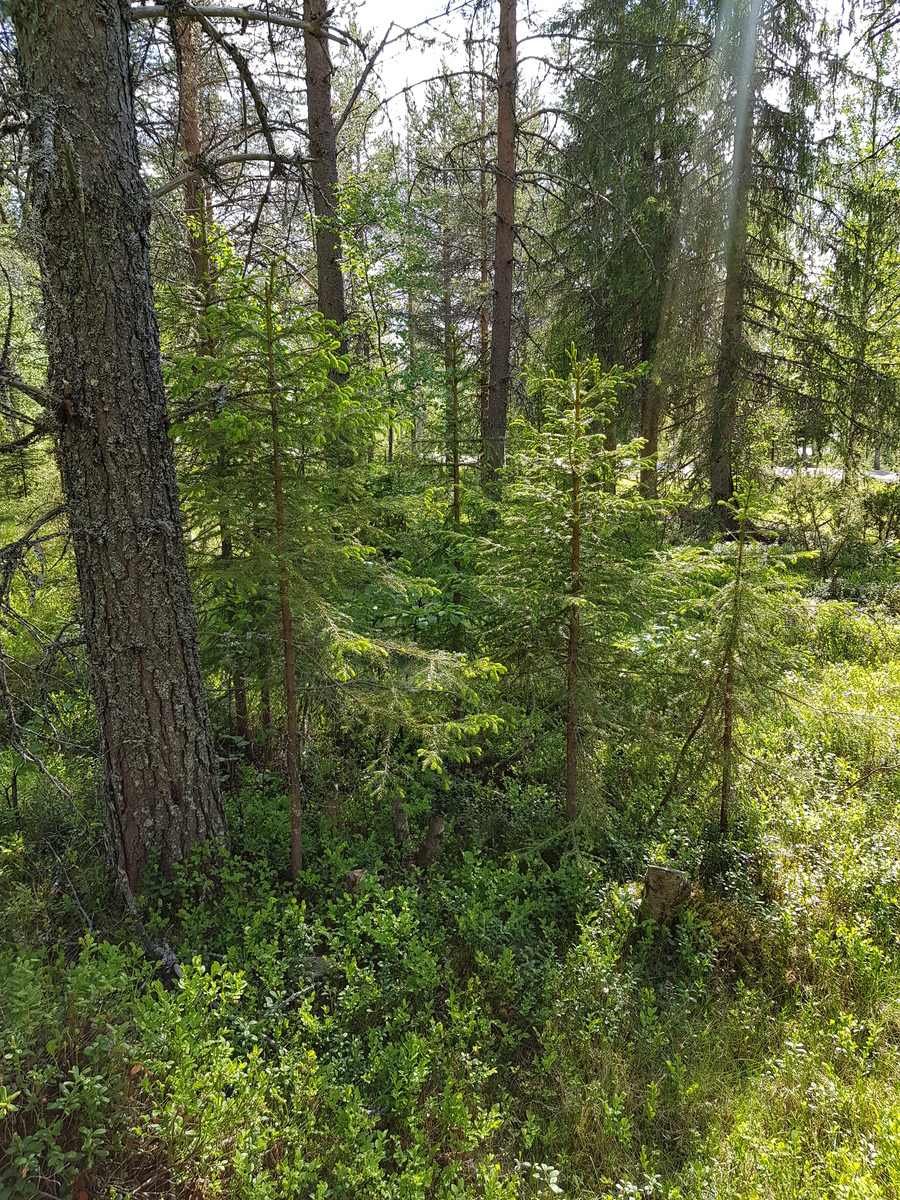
(504, 1026)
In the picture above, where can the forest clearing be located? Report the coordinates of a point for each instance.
(449, 601)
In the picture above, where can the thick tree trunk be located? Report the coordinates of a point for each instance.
(91, 215)
(504, 245)
(731, 338)
(323, 152)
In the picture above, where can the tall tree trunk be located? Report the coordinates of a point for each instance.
(323, 152)
(186, 37)
(450, 380)
(859, 395)
(651, 409)
(484, 387)
(91, 216)
(187, 43)
(731, 338)
(287, 618)
(416, 428)
(651, 394)
(574, 613)
(504, 245)
(454, 430)
(729, 668)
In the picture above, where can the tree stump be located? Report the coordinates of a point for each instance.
(353, 880)
(665, 893)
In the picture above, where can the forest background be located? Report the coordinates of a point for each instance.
(425, 508)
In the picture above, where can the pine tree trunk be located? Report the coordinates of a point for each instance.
(504, 246)
(91, 215)
(323, 151)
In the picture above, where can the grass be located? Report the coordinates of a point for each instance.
(505, 1028)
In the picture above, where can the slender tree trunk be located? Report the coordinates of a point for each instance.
(415, 429)
(651, 405)
(265, 703)
(651, 409)
(454, 427)
(859, 394)
(484, 388)
(450, 356)
(287, 620)
(728, 677)
(186, 36)
(651, 395)
(574, 616)
(187, 42)
(504, 245)
(323, 152)
(731, 338)
(446, 296)
(91, 216)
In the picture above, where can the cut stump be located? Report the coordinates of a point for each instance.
(665, 894)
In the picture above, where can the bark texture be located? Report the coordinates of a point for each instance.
(91, 219)
(323, 152)
(504, 245)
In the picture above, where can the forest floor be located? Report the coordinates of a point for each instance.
(504, 1026)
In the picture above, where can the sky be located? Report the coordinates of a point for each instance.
(434, 35)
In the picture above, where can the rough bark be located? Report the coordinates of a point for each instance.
(323, 152)
(504, 246)
(91, 215)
